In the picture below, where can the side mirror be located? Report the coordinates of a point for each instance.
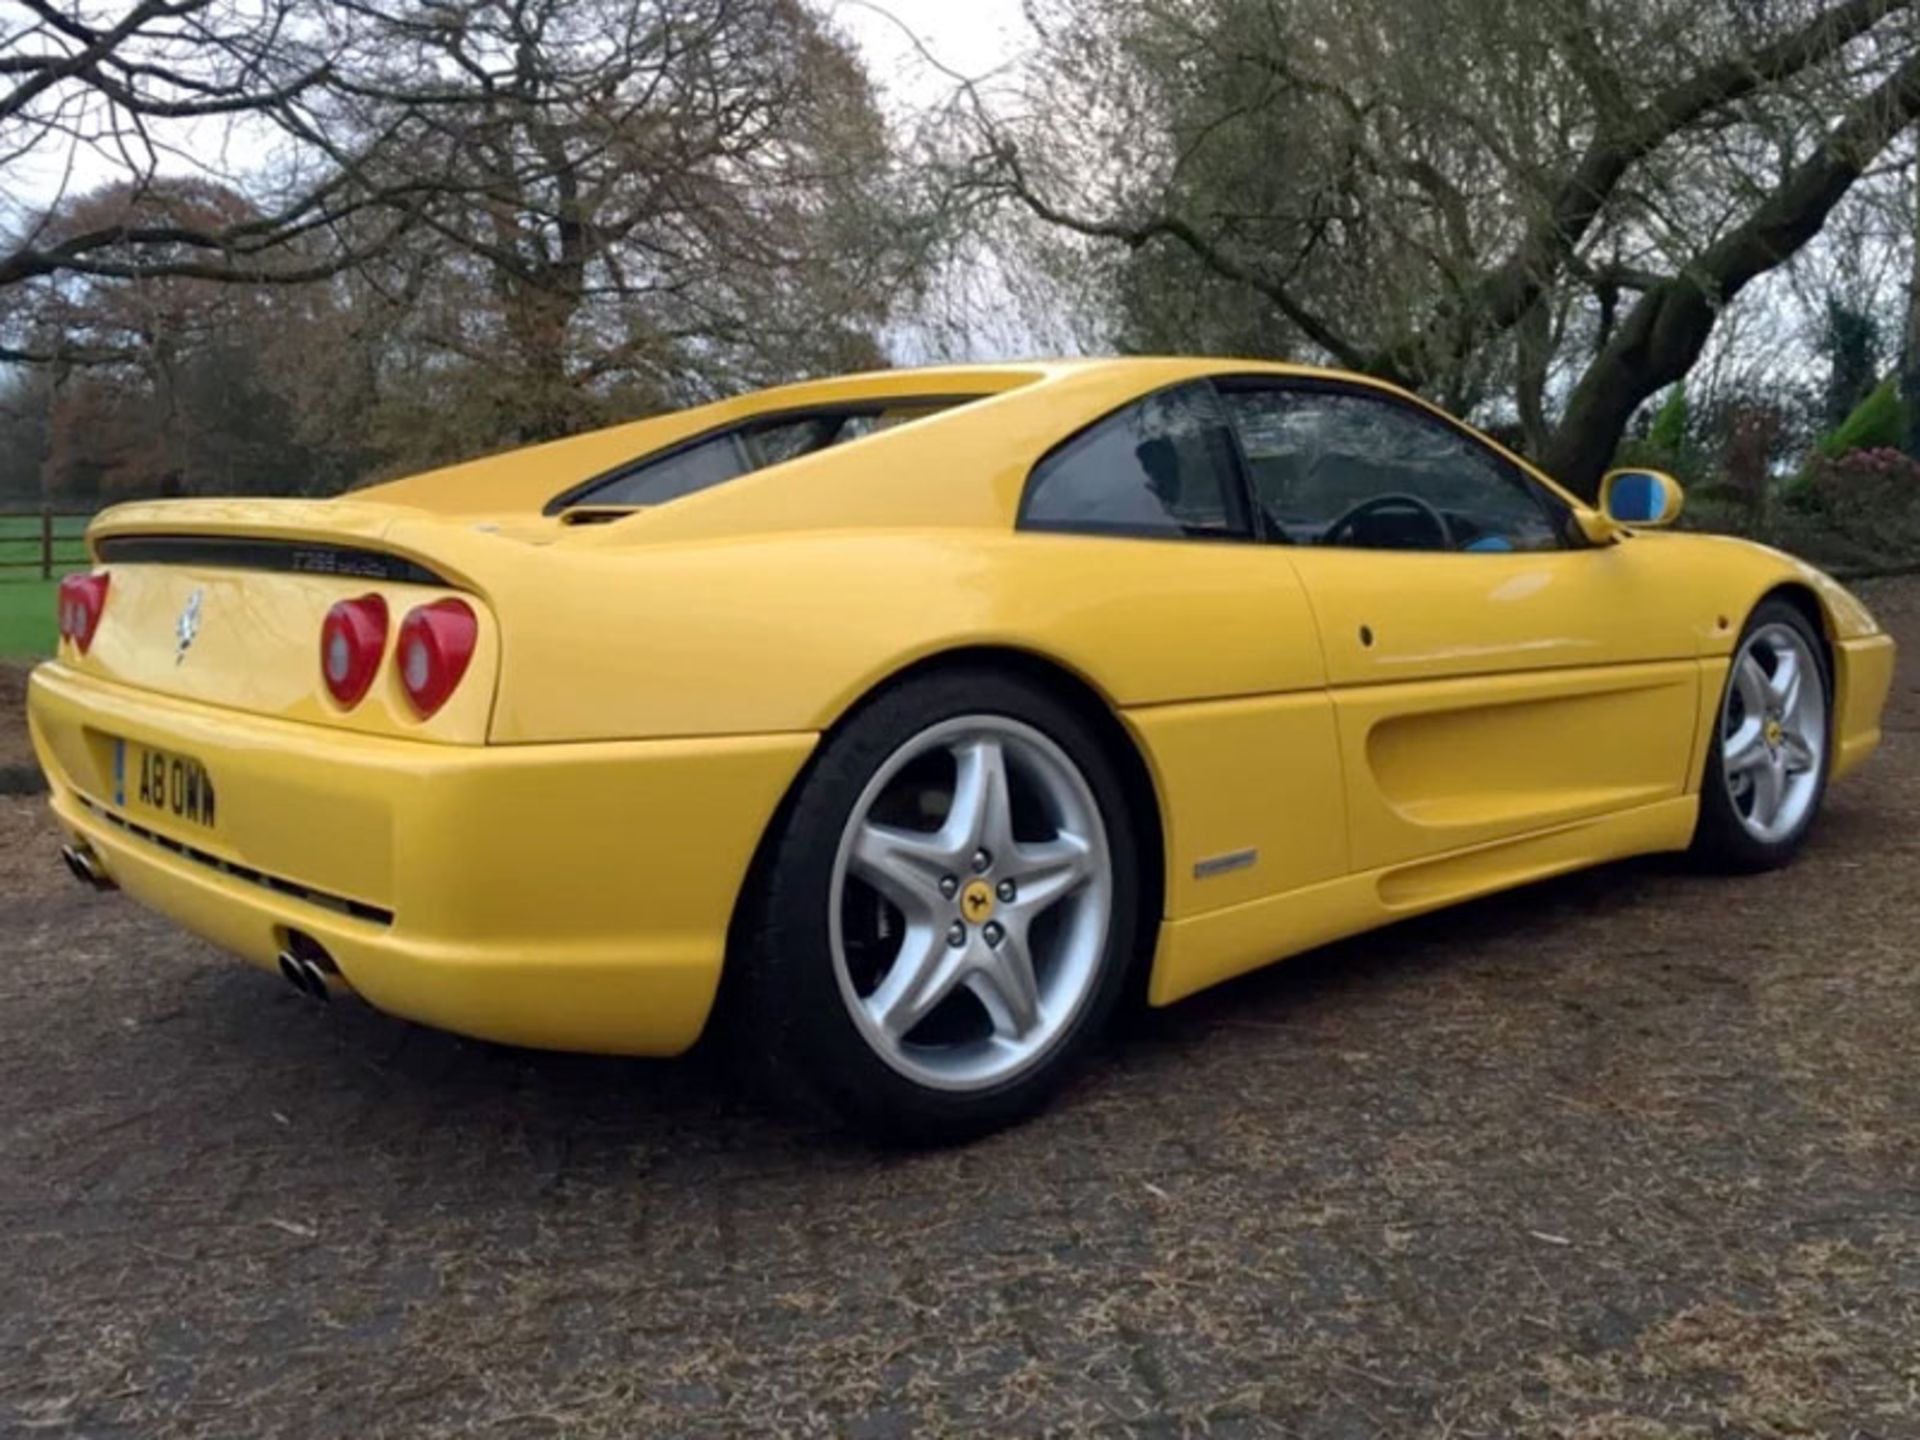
(1647, 498)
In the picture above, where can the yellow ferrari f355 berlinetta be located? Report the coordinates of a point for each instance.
(916, 719)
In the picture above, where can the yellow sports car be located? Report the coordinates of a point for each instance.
(917, 719)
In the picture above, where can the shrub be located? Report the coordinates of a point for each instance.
(1871, 495)
(1885, 462)
(1878, 422)
(1669, 432)
(1746, 460)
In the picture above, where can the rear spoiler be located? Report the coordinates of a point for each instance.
(296, 557)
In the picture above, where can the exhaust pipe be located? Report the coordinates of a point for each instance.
(290, 972)
(304, 976)
(85, 867)
(309, 978)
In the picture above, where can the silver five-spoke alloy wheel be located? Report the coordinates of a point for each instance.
(971, 897)
(1773, 732)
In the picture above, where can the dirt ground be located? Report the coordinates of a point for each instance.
(16, 750)
(1633, 1154)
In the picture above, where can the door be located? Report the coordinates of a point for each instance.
(1493, 674)
(1236, 726)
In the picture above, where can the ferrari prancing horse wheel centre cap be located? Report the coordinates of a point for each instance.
(976, 902)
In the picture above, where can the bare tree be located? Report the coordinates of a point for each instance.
(668, 194)
(496, 220)
(150, 87)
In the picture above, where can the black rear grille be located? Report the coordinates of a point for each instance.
(280, 886)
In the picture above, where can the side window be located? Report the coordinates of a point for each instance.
(1336, 468)
(1163, 466)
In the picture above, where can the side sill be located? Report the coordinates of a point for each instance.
(1206, 949)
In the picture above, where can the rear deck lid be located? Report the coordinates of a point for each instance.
(223, 603)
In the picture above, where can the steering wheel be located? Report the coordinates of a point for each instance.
(1397, 500)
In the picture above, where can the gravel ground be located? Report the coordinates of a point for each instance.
(1629, 1154)
(18, 773)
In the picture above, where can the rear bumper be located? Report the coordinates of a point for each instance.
(1863, 675)
(571, 897)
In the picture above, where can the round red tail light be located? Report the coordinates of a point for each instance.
(436, 643)
(352, 639)
(82, 598)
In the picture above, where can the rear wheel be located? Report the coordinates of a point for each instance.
(947, 911)
(1767, 772)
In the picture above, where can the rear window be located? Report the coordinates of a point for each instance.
(723, 455)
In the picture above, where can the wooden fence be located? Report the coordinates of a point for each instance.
(43, 541)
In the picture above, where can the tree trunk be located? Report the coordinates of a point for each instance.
(1910, 348)
(1533, 351)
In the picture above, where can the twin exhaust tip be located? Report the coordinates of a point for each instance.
(305, 965)
(85, 867)
(304, 976)
(304, 962)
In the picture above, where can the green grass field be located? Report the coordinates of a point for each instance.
(27, 625)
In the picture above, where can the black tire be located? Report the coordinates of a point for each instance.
(1722, 839)
(791, 1022)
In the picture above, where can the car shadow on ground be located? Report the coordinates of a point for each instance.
(404, 1077)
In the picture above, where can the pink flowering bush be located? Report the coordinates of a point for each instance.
(1885, 463)
(1868, 497)
(1879, 475)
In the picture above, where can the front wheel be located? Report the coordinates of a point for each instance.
(1767, 771)
(947, 911)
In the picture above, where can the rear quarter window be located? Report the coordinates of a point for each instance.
(711, 462)
(740, 449)
(1163, 466)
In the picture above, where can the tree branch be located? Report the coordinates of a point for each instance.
(1668, 327)
(1013, 182)
(1507, 291)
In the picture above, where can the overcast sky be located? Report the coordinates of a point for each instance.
(970, 36)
